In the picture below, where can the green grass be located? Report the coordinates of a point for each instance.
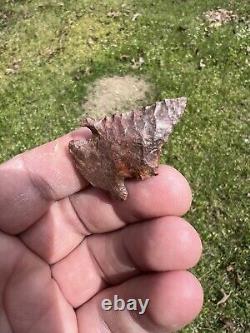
(40, 98)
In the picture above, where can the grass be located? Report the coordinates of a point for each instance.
(50, 51)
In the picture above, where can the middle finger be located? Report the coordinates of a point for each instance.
(67, 222)
(167, 243)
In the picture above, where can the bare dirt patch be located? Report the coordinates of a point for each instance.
(220, 16)
(116, 94)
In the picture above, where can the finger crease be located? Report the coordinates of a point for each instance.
(130, 258)
(39, 183)
(89, 232)
(106, 326)
(103, 275)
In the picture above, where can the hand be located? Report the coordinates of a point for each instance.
(65, 247)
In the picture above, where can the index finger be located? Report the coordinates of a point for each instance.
(31, 181)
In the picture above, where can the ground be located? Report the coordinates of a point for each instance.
(115, 94)
(52, 52)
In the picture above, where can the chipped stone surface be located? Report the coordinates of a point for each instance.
(125, 145)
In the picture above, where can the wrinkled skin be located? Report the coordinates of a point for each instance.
(65, 246)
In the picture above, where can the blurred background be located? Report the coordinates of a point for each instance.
(60, 60)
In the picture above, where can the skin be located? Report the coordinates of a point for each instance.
(65, 246)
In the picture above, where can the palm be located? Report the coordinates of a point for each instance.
(64, 248)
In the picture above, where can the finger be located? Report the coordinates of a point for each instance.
(175, 299)
(31, 181)
(168, 243)
(66, 222)
(162, 244)
(166, 194)
(32, 300)
(56, 234)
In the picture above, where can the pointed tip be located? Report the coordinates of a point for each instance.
(182, 102)
(175, 107)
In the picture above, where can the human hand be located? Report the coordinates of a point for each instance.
(65, 247)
